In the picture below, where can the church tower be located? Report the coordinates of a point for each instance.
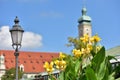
(84, 26)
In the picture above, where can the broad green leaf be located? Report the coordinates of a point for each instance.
(102, 70)
(77, 66)
(61, 76)
(98, 59)
(106, 74)
(111, 76)
(117, 79)
(90, 74)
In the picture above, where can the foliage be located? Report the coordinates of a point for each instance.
(10, 74)
(87, 62)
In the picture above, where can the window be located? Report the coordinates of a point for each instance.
(43, 62)
(11, 61)
(24, 61)
(29, 55)
(5, 60)
(33, 68)
(37, 62)
(31, 61)
(40, 56)
(21, 67)
(87, 29)
(3, 54)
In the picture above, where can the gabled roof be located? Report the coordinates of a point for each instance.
(115, 51)
(32, 61)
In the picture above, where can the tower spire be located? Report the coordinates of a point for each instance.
(84, 3)
(84, 21)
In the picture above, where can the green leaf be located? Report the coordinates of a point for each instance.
(61, 77)
(101, 71)
(77, 66)
(117, 79)
(90, 74)
(98, 59)
(111, 77)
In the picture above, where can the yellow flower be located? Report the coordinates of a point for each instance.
(90, 46)
(85, 38)
(92, 40)
(49, 67)
(85, 50)
(95, 38)
(61, 55)
(98, 48)
(77, 53)
(61, 65)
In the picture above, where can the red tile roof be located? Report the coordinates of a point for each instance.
(32, 61)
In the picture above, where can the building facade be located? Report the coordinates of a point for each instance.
(31, 63)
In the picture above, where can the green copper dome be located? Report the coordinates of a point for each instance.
(84, 17)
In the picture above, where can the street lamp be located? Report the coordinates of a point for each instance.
(16, 35)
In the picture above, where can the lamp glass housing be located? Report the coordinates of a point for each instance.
(16, 36)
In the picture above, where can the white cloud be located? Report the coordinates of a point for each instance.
(5, 41)
(30, 39)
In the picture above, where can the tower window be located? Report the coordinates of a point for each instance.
(87, 29)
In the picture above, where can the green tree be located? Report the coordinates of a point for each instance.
(10, 74)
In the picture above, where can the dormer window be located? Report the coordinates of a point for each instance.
(33, 68)
(24, 61)
(31, 61)
(40, 56)
(29, 55)
(11, 61)
(22, 67)
(37, 62)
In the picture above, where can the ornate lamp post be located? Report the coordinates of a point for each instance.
(16, 35)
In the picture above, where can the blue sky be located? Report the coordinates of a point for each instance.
(53, 21)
